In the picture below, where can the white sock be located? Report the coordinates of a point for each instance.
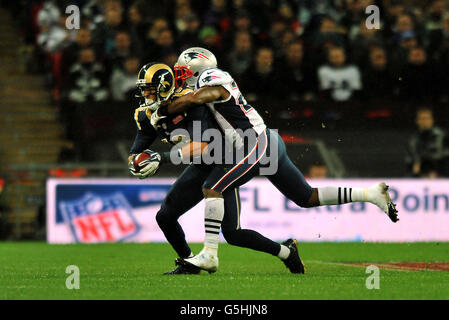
(284, 253)
(338, 195)
(213, 217)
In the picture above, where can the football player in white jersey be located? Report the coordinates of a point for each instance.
(197, 68)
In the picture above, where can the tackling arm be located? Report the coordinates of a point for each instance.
(201, 96)
(194, 149)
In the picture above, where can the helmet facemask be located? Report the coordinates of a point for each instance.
(182, 73)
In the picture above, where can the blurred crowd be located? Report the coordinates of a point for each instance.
(289, 49)
(318, 51)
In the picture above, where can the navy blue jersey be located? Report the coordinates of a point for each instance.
(192, 124)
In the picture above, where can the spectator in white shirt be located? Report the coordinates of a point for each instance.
(338, 80)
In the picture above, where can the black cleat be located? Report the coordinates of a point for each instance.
(183, 268)
(293, 262)
(392, 212)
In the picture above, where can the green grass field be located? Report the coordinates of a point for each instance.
(36, 270)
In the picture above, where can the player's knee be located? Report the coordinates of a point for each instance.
(305, 205)
(209, 193)
(308, 202)
(163, 217)
(313, 200)
(302, 203)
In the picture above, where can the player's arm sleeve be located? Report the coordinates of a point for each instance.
(146, 134)
(218, 79)
(213, 77)
(141, 142)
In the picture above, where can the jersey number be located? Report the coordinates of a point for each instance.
(240, 100)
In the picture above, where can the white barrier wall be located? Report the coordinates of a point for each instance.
(103, 210)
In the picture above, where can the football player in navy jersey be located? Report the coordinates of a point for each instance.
(197, 68)
(156, 84)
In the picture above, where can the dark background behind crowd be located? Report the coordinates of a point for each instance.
(302, 63)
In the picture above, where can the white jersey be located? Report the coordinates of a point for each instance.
(233, 113)
(341, 81)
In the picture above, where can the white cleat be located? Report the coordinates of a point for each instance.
(204, 260)
(378, 195)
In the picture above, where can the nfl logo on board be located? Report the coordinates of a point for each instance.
(94, 218)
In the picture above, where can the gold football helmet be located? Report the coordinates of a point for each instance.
(156, 83)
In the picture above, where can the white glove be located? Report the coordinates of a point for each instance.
(155, 118)
(148, 167)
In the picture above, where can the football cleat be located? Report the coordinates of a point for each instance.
(378, 195)
(293, 262)
(203, 260)
(183, 269)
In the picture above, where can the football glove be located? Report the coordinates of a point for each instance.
(131, 166)
(148, 167)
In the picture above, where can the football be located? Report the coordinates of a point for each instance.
(141, 160)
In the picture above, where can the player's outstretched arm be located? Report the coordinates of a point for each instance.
(194, 149)
(198, 97)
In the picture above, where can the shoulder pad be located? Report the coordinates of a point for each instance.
(213, 77)
(141, 116)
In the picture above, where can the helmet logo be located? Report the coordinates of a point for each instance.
(189, 56)
(164, 83)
